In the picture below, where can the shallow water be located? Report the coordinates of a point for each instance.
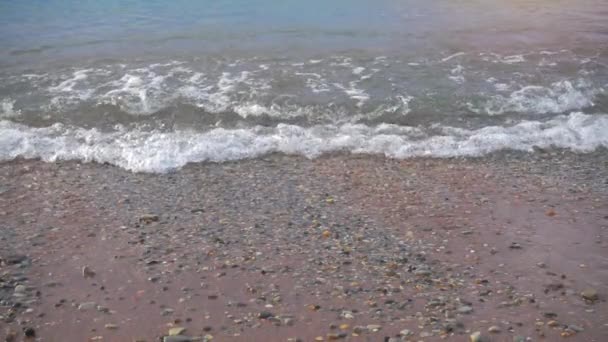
(152, 85)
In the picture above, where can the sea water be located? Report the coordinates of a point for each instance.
(153, 85)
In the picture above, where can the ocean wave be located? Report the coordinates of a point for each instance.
(559, 97)
(154, 151)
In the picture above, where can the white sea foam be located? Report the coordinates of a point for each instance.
(358, 70)
(513, 59)
(457, 54)
(7, 109)
(138, 150)
(457, 74)
(560, 97)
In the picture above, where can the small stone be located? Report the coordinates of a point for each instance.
(515, 245)
(541, 265)
(549, 314)
(265, 315)
(422, 272)
(374, 327)
(29, 332)
(465, 309)
(333, 336)
(494, 329)
(405, 332)
(475, 337)
(11, 336)
(149, 218)
(87, 306)
(575, 328)
(181, 338)
(176, 331)
(358, 329)
(590, 294)
(344, 326)
(424, 334)
(347, 314)
(326, 234)
(87, 272)
(166, 312)
(111, 326)
(553, 324)
(20, 289)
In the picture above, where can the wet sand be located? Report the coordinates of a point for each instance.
(283, 248)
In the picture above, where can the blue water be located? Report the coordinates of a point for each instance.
(152, 85)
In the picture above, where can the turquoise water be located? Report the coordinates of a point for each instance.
(152, 85)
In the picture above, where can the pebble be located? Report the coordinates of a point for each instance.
(494, 329)
(20, 289)
(29, 332)
(405, 332)
(465, 309)
(590, 294)
(87, 306)
(181, 338)
(374, 327)
(422, 272)
(575, 328)
(347, 315)
(265, 315)
(475, 337)
(359, 329)
(176, 331)
(166, 312)
(111, 326)
(149, 218)
(515, 245)
(87, 272)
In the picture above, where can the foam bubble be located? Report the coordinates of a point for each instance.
(7, 109)
(145, 151)
(560, 97)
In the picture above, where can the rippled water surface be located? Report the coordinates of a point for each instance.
(152, 85)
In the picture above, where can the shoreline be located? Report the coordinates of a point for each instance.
(354, 247)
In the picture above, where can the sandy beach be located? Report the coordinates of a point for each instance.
(284, 248)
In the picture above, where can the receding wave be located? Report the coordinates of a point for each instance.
(154, 151)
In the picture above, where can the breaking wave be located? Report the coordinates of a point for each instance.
(154, 151)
